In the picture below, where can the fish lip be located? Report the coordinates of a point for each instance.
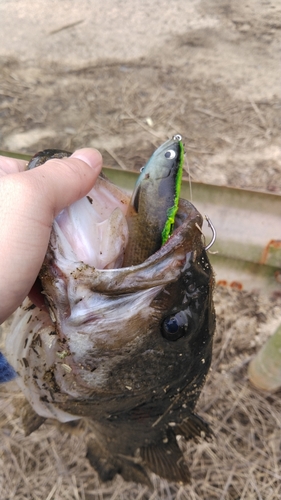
(161, 268)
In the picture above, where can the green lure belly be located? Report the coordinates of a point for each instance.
(154, 203)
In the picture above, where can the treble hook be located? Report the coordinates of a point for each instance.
(207, 247)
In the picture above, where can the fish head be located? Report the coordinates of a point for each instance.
(116, 338)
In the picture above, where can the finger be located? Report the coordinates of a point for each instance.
(29, 201)
(63, 181)
(11, 165)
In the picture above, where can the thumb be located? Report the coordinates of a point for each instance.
(63, 181)
(29, 201)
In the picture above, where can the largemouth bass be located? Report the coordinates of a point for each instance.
(127, 348)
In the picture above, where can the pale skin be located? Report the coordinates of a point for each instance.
(29, 202)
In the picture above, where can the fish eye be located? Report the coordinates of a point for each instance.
(171, 154)
(174, 326)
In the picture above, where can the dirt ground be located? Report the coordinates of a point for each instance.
(209, 70)
(217, 83)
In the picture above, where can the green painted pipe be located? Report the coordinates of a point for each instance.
(265, 368)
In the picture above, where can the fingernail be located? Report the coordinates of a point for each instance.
(90, 156)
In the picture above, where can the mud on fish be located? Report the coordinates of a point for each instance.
(126, 339)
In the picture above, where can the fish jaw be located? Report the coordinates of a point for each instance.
(33, 355)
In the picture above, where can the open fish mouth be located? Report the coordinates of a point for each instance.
(129, 347)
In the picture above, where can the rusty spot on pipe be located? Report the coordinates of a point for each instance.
(272, 244)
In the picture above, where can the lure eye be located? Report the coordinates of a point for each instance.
(170, 154)
(174, 326)
(177, 137)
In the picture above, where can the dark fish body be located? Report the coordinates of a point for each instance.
(127, 348)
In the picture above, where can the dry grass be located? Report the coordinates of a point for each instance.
(130, 109)
(242, 462)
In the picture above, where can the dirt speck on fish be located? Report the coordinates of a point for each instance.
(122, 347)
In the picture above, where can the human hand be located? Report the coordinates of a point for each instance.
(29, 202)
